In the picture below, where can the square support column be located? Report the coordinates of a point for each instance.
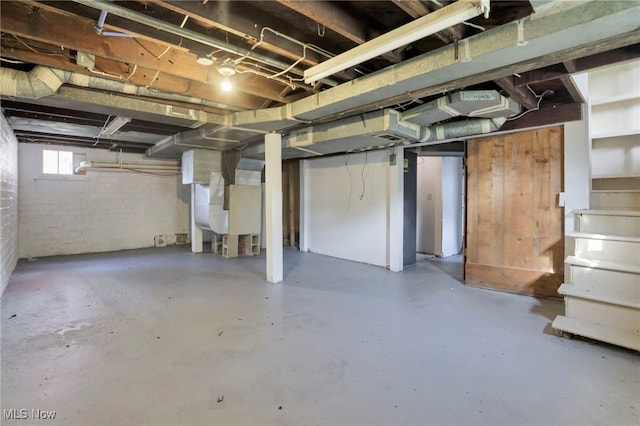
(304, 202)
(273, 206)
(196, 233)
(396, 210)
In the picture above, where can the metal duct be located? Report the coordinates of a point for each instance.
(244, 199)
(470, 103)
(192, 35)
(249, 172)
(209, 212)
(44, 81)
(381, 129)
(375, 129)
(459, 129)
(550, 37)
(218, 137)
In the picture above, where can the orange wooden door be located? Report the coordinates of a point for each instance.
(515, 228)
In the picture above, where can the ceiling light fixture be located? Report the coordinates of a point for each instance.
(204, 60)
(424, 26)
(114, 125)
(227, 69)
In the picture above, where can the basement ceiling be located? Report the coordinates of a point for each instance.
(157, 62)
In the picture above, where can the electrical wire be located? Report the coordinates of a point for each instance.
(11, 61)
(364, 166)
(474, 26)
(38, 51)
(102, 130)
(546, 92)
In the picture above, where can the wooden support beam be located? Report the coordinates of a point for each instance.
(49, 25)
(239, 25)
(610, 57)
(522, 95)
(570, 66)
(540, 75)
(416, 9)
(413, 8)
(334, 18)
(545, 116)
(144, 77)
(572, 89)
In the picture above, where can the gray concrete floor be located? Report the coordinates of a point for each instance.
(166, 337)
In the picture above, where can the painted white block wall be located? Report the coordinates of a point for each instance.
(102, 211)
(346, 210)
(8, 202)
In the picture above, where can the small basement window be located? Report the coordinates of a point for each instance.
(56, 162)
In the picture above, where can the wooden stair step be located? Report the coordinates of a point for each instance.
(604, 237)
(616, 212)
(602, 264)
(602, 296)
(624, 338)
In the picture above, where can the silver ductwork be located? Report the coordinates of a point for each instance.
(460, 129)
(487, 111)
(217, 206)
(470, 103)
(44, 81)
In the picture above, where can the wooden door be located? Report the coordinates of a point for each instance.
(515, 228)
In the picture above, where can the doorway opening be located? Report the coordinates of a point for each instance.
(440, 211)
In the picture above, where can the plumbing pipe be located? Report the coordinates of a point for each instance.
(191, 35)
(100, 28)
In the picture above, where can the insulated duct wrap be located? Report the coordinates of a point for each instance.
(470, 103)
(459, 129)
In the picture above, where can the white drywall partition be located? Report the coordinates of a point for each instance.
(439, 224)
(429, 200)
(346, 210)
(451, 205)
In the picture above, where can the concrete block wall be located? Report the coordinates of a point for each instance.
(102, 211)
(8, 202)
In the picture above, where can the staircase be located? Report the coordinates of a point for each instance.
(602, 289)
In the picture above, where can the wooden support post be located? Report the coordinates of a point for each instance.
(273, 206)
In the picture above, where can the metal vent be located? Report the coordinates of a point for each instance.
(389, 137)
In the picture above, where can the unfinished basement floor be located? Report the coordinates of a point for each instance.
(167, 337)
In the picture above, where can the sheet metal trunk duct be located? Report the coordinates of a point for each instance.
(224, 209)
(487, 110)
(470, 103)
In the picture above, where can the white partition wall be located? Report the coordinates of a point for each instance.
(346, 207)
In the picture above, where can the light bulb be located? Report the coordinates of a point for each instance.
(226, 85)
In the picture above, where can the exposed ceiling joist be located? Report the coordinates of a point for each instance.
(521, 94)
(332, 17)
